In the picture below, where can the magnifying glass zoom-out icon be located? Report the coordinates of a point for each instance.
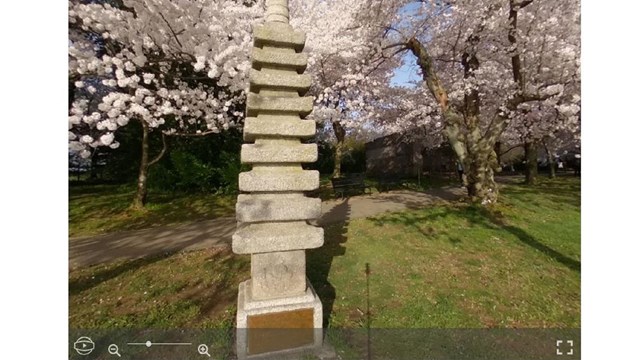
(203, 350)
(113, 350)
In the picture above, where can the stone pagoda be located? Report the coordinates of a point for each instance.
(278, 309)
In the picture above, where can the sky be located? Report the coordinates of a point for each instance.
(407, 75)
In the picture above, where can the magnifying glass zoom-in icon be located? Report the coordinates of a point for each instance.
(203, 350)
(113, 350)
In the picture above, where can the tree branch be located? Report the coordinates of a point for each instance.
(532, 97)
(387, 28)
(428, 73)
(170, 28)
(522, 4)
(440, 59)
(203, 133)
(162, 152)
(383, 59)
(403, 45)
(511, 148)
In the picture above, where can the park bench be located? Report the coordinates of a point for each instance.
(349, 185)
(389, 182)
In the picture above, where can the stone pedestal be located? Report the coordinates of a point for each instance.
(288, 324)
(278, 311)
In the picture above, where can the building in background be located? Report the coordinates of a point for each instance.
(400, 155)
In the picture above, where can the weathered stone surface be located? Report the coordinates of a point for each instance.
(277, 11)
(278, 153)
(252, 208)
(273, 219)
(280, 35)
(287, 80)
(289, 180)
(278, 274)
(248, 306)
(281, 126)
(267, 237)
(301, 105)
(279, 59)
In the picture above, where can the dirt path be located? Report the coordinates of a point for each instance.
(205, 234)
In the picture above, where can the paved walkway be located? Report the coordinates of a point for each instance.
(205, 234)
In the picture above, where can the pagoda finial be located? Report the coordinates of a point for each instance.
(278, 11)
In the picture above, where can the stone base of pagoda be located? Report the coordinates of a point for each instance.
(278, 328)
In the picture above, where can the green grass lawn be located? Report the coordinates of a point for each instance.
(452, 265)
(515, 265)
(98, 209)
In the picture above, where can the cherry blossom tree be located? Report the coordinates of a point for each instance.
(350, 102)
(347, 85)
(475, 69)
(179, 68)
(550, 126)
(552, 56)
(175, 67)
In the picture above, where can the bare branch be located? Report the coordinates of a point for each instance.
(162, 152)
(170, 28)
(511, 148)
(531, 97)
(387, 28)
(441, 59)
(522, 4)
(203, 133)
(391, 46)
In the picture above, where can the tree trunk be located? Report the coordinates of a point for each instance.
(72, 93)
(474, 151)
(551, 160)
(94, 166)
(496, 149)
(337, 163)
(482, 157)
(530, 148)
(531, 157)
(340, 133)
(483, 189)
(479, 171)
(140, 198)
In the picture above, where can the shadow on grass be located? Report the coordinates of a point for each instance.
(83, 283)
(195, 288)
(531, 241)
(474, 214)
(98, 189)
(497, 218)
(214, 298)
(561, 190)
(319, 260)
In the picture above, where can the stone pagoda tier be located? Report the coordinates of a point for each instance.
(278, 309)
